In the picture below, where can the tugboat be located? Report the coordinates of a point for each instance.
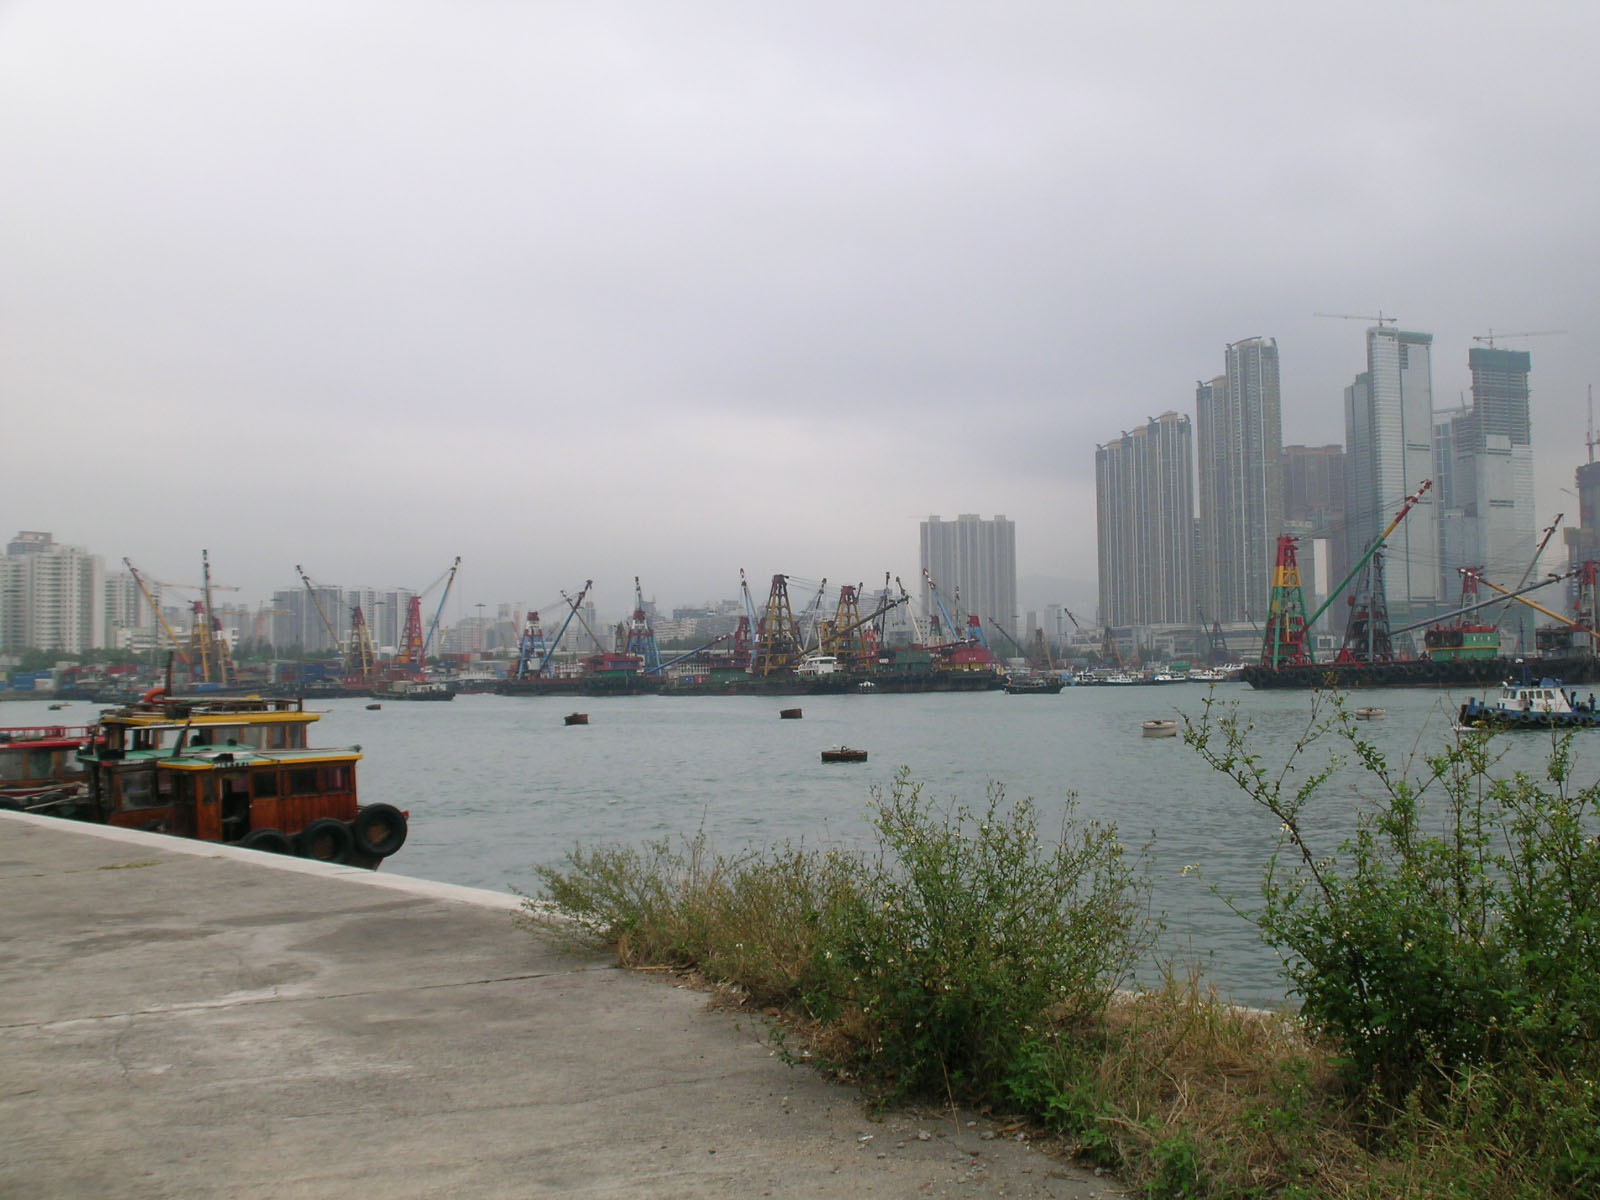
(1543, 705)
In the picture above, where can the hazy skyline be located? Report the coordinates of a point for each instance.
(671, 290)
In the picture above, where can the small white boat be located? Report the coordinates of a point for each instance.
(1160, 729)
(1371, 714)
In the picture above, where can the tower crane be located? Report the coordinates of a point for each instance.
(1380, 320)
(1491, 337)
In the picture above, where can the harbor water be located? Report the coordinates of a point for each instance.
(498, 785)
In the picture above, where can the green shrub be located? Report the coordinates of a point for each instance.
(1436, 940)
(971, 932)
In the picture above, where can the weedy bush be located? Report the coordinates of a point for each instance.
(927, 964)
(970, 933)
(1447, 945)
(754, 920)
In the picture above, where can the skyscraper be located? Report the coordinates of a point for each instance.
(52, 597)
(1239, 434)
(980, 558)
(1389, 440)
(1144, 497)
(1488, 517)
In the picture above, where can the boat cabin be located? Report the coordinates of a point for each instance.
(40, 759)
(222, 794)
(167, 723)
(1543, 697)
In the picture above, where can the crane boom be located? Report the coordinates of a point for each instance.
(156, 608)
(1411, 502)
(572, 610)
(950, 628)
(333, 634)
(439, 612)
(1594, 635)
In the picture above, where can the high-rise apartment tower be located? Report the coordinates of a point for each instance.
(1144, 489)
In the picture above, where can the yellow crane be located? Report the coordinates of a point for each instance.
(144, 588)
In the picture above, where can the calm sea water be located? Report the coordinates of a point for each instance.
(497, 785)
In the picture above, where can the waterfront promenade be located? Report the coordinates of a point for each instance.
(183, 1019)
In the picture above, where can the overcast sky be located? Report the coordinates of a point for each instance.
(671, 289)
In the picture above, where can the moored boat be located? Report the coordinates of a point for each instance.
(413, 689)
(576, 719)
(234, 770)
(844, 754)
(1032, 684)
(1159, 729)
(39, 765)
(1370, 713)
(789, 714)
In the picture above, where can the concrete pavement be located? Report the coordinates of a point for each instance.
(179, 1019)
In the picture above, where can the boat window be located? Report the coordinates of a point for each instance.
(12, 766)
(264, 783)
(303, 781)
(167, 787)
(337, 778)
(138, 789)
(250, 736)
(41, 764)
(277, 737)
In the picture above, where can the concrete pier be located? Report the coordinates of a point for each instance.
(182, 1019)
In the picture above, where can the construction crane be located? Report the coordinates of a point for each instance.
(144, 589)
(449, 578)
(1021, 650)
(949, 631)
(311, 590)
(208, 630)
(533, 642)
(362, 658)
(1491, 337)
(1380, 320)
(641, 639)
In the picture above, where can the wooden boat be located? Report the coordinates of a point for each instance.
(39, 765)
(789, 714)
(374, 707)
(576, 718)
(236, 770)
(1370, 713)
(844, 755)
(1160, 729)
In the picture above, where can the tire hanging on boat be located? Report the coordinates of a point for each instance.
(379, 830)
(271, 840)
(327, 840)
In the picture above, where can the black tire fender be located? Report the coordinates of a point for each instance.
(379, 830)
(271, 840)
(326, 840)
